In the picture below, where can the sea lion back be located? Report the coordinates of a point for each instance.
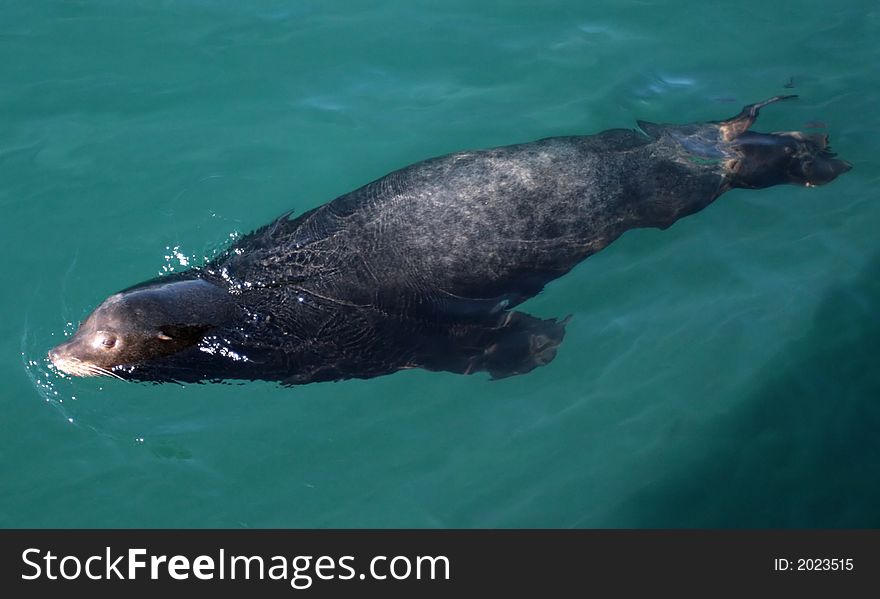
(467, 231)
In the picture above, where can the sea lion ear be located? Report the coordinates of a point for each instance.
(736, 126)
(652, 130)
(186, 334)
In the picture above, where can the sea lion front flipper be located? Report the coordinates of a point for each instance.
(736, 126)
(523, 344)
(515, 344)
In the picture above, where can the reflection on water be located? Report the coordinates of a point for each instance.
(802, 450)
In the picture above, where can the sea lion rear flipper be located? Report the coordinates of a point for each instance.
(515, 344)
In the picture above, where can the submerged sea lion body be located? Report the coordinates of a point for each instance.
(422, 267)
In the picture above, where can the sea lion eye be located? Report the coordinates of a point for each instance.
(108, 341)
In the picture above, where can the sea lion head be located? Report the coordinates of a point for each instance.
(142, 324)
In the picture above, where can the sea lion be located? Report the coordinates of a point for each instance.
(421, 268)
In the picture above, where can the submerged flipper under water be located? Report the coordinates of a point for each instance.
(516, 344)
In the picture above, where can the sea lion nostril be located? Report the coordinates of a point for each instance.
(57, 358)
(56, 355)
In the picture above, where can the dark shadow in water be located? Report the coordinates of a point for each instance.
(804, 451)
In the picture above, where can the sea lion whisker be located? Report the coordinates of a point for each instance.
(112, 375)
(105, 372)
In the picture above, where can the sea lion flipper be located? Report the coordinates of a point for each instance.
(736, 126)
(515, 344)
(522, 344)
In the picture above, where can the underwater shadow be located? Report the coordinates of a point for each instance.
(804, 451)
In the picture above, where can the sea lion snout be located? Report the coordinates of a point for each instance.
(56, 358)
(143, 323)
(63, 357)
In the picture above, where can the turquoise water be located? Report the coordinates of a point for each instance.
(721, 373)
